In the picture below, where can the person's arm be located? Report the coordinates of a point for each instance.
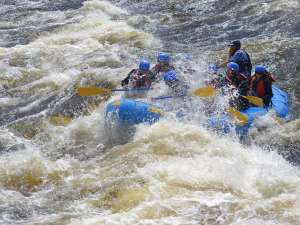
(155, 70)
(244, 87)
(125, 81)
(234, 58)
(242, 103)
(218, 82)
(269, 93)
(150, 77)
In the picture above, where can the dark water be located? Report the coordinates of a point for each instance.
(209, 24)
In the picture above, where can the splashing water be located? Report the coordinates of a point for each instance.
(58, 164)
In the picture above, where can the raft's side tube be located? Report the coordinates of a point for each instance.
(252, 113)
(279, 104)
(133, 112)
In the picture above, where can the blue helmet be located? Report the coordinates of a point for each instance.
(163, 57)
(260, 69)
(234, 67)
(144, 65)
(170, 75)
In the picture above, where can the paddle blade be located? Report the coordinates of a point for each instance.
(238, 116)
(254, 100)
(205, 92)
(91, 91)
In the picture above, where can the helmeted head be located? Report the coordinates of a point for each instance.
(144, 65)
(234, 67)
(170, 76)
(163, 58)
(260, 69)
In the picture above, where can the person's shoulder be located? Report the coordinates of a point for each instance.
(240, 55)
(244, 50)
(271, 77)
(239, 52)
(268, 80)
(244, 53)
(236, 56)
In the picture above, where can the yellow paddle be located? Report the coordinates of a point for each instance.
(200, 92)
(91, 91)
(238, 116)
(205, 91)
(254, 100)
(210, 91)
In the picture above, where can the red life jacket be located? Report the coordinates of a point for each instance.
(257, 85)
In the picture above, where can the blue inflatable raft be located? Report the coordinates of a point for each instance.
(279, 105)
(132, 112)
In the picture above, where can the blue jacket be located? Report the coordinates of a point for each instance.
(242, 58)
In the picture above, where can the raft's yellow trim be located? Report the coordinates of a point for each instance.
(155, 110)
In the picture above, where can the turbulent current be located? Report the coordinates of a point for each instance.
(61, 164)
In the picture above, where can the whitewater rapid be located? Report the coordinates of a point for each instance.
(58, 163)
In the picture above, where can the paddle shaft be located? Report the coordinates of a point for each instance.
(200, 92)
(133, 89)
(169, 96)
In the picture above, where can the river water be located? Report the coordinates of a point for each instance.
(58, 163)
